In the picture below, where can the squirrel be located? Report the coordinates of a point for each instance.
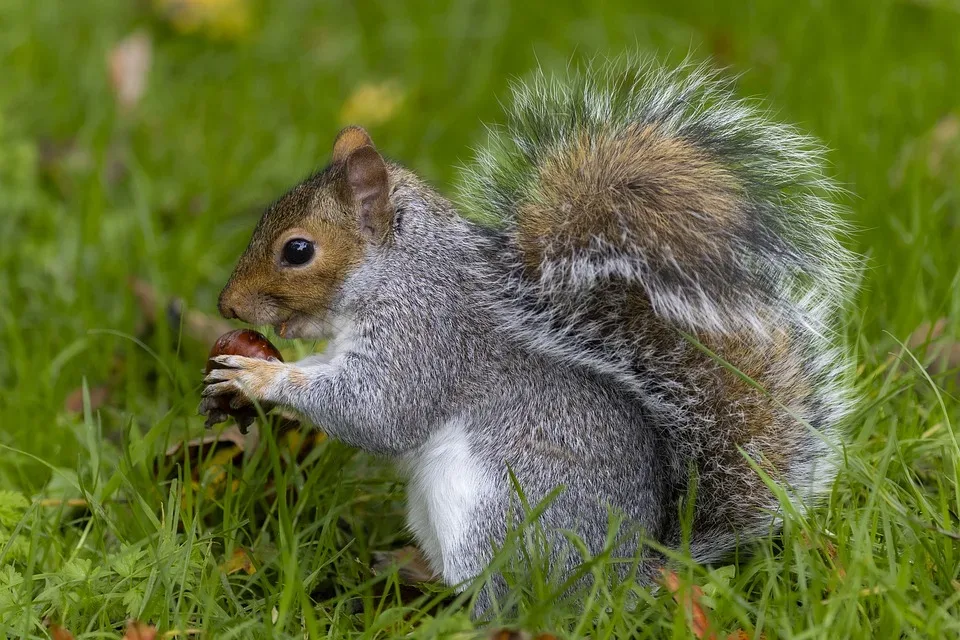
(641, 289)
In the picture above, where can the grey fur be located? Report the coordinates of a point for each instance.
(553, 377)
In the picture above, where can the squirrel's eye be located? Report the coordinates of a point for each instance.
(297, 251)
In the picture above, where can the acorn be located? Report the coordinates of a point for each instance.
(239, 342)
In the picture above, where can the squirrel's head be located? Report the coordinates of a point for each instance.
(310, 240)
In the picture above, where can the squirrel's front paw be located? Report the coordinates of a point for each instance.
(249, 379)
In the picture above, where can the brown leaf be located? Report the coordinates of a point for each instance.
(508, 634)
(938, 149)
(140, 631)
(57, 502)
(831, 550)
(944, 143)
(99, 395)
(129, 63)
(942, 349)
(239, 561)
(59, 633)
(721, 46)
(208, 457)
(689, 602)
(199, 447)
(413, 568)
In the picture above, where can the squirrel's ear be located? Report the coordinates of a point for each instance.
(370, 187)
(349, 140)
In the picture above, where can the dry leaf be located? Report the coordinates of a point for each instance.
(198, 448)
(211, 457)
(944, 142)
(372, 104)
(239, 561)
(942, 350)
(413, 568)
(99, 395)
(689, 602)
(57, 502)
(129, 63)
(59, 633)
(938, 149)
(721, 46)
(831, 550)
(140, 631)
(216, 19)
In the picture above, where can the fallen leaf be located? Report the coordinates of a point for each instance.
(689, 603)
(831, 550)
(372, 104)
(59, 633)
(99, 395)
(199, 447)
(139, 631)
(412, 566)
(57, 502)
(721, 46)
(938, 149)
(239, 561)
(944, 142)
(129, 63)
(942, 349)
(216, 19)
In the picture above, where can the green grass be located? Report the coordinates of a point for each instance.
(225, 126)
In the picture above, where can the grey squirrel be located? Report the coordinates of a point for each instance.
(647, 289)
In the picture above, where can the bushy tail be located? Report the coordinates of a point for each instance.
(627, 170)
(643, 204)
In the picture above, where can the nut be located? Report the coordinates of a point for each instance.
(243, 342)
(239, 342)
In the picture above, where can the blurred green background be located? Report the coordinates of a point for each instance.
(242, 98)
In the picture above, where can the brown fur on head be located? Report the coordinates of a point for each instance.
(326, 221)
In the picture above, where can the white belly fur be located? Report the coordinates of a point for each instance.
(446, 485)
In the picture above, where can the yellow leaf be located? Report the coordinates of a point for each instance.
(217, 19)
(239, 561)
(372, 104)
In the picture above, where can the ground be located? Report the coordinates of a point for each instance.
(111, 202)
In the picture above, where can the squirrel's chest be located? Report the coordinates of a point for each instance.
(446, 486)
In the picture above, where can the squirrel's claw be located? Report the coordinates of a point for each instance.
(220, 375)
(219, 388)
(208, 407)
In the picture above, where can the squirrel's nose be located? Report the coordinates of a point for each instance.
(227, 310)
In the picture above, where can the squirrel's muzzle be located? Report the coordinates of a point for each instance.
(226, 304)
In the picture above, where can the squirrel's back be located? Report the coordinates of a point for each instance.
(672, 236)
